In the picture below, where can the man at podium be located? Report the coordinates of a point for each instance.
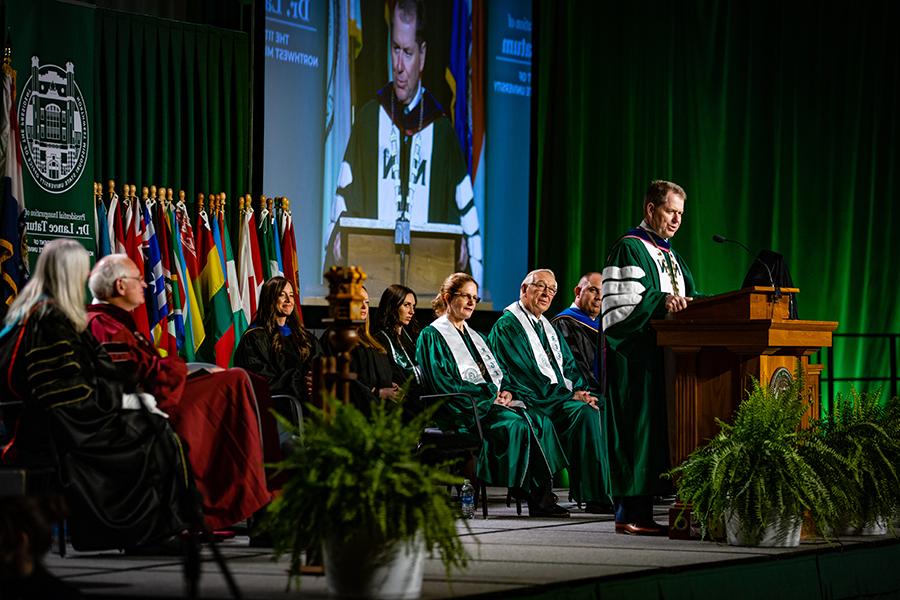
(403, 163)
(644, 279)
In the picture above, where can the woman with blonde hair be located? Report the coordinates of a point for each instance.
(370, 362)
(521, 450)
(120, 465)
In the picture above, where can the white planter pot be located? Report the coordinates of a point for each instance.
(876, 527)
(365, 569)
(770, 538)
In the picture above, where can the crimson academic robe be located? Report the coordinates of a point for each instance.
(214, 413)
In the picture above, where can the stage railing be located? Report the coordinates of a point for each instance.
(829, 379)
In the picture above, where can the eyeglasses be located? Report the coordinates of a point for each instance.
(136, 278)
(544, 288)
(467, 297)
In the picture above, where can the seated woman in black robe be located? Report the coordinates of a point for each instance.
(119, 464)
(370, 362)
(397, 331)
(277, 346)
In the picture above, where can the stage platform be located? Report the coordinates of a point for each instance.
(519, 557)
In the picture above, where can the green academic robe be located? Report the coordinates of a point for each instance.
(638, 276)
(521, 448)
(544, 385)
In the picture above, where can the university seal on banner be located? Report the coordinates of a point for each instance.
(53, 123)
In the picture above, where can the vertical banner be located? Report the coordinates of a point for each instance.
(53, 53)
(507, 147)
(296, 70)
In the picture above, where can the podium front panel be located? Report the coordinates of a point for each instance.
(432, 258)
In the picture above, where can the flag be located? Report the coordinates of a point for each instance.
(215, 222)
(189, 251)
(194, 333)
(457, 76)
(155, 294)
(201, 244)
(266, 252)
(257, 258)
(275, 240)
(250, 276)
(13, 250)
(246, 275)
(168, 342)
(102, 227)
(289, 253)
(217, 322)
(134, 237)
(114, 223)
(231, 282)
(477, 79)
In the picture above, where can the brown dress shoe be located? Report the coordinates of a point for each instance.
(651, 528)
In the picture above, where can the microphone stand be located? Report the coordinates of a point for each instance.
(721, 239)
(402, 237)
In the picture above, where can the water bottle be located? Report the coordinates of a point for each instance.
(467, 500)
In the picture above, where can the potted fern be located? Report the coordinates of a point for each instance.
(867, 435)
(357, 490)
(760, 474)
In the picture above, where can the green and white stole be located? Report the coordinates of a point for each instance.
(537, 349)
(465, 362)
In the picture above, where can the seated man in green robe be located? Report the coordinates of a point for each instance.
(521, 450)
(543, 373)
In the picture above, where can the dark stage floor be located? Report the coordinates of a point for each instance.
(521, 557)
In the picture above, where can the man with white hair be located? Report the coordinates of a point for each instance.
(544, 375)
(644, 279)
(215, 413)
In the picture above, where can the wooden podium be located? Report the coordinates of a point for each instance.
(719, 343)
(434, 250)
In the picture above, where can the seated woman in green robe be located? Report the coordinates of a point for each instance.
(521, 450)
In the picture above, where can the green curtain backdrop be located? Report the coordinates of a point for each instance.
(172, 105)
(778, 118)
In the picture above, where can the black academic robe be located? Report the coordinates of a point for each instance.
(123, 472)
(584, 342)
(285, 371)
(372, 368)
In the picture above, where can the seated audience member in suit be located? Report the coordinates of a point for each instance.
(214, 413)
(521, 450)
(277, 346)
(120, 465)
(397, 332)
(544, 375)
(369, 360)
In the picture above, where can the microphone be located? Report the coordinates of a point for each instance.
(721, 239)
